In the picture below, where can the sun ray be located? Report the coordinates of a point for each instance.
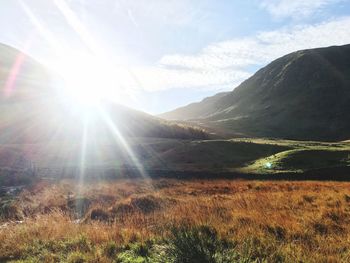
(89, 77)
(120, 139)
(47, 35)
(83, 149)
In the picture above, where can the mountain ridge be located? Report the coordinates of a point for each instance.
(304, 95)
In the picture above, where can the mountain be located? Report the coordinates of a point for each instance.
(304, 95)
(196, 110)
(34, 109)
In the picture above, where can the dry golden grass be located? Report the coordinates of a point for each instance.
(286, 221)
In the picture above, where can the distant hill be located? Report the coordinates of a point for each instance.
(304, 95)
(34, 109)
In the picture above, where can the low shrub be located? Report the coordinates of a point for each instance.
(146, 204)
(200, 244)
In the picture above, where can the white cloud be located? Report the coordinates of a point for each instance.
(220, 55)
(226, 63)
(295, 8)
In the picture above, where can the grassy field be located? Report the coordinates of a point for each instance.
(58, 212)
(301, 156)
(168, 220)
(243, 156)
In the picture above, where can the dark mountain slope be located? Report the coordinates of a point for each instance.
(304, 95)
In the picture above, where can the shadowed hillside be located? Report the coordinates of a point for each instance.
(304, 95)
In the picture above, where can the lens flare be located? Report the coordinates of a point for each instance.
(268, 165)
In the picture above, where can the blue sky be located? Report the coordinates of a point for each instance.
(168, 53)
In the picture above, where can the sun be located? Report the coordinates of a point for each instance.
(88, 79)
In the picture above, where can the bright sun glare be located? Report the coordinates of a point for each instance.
(88, 80)
(88, 77)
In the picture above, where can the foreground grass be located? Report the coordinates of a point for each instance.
(179, 221)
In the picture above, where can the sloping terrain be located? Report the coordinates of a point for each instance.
(196, 110)
(301, 157)
(304, 96)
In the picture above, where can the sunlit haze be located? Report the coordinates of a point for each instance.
(88, 79)
(158, 55)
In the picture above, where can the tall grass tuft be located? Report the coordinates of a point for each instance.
(199, 244)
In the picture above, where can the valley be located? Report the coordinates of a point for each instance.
(257, 174)
(158, 157)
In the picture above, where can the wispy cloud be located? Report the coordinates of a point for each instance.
(295, 8)
(224, 64)
(161, 78)
(158, 12)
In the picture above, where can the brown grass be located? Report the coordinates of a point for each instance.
(297, 221)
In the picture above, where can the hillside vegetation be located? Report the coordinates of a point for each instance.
(304, 95)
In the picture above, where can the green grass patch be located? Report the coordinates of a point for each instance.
(300, 160)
